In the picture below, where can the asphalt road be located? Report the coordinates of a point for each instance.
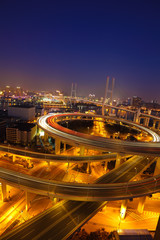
(59, 222)
(56, 222)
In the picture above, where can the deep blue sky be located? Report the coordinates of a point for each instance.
(50, 44)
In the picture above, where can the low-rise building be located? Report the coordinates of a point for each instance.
(22, 133)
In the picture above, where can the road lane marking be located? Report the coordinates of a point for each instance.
(56, 214)
(27, 234)
(56, 222)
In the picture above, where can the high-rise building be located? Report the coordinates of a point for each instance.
(136, 101)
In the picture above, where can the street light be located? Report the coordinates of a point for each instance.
(135, 171)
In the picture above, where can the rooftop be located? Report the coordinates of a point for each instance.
(21, 106)
(23, 126)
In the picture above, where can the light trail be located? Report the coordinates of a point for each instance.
(49, 124)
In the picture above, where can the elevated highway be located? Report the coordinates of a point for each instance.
(149, 116)
(63, 219)
(49, 124)
(57, 158)
(89, 192)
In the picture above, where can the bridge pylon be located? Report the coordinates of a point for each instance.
(73, 91)
(108, 91)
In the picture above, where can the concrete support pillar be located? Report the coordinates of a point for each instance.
(105, 167)
(154, 124)
(123, 209)
(82, 149)
(138, 119)
(157, 167)
(118, 160)
(27, 200)
(64, 147)
(14, 158)
(29, 162)
(88, 166)
(141, 204)
(120, 114)
(45, 136)
(148, 119)
(146, 122)
(4, 191)
(49, 165)
(137, 116)
(57, 146)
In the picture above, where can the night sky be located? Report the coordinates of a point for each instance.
(47, 45)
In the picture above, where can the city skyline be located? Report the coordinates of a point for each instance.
(49, 46)
(79, 119)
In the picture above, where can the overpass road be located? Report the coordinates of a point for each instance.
(57, 158)
(60, 221)
(87, 192)
(63, 219)
(49, 124)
